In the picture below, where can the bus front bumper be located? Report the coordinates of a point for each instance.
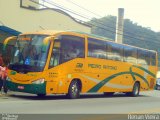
(28, 88)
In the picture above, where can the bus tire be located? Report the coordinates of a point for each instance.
(41, 95)
(108, 93)
(135, 90)
(74, 90)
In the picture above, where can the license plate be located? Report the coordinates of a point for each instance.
(21, 87)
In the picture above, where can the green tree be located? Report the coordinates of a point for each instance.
(133, 34)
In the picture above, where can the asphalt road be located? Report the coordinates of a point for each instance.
(89, 105)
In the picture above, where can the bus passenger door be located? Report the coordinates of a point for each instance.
(52, 63)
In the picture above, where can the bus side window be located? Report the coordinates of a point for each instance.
(130, 54)
(54, 58)
(143, 57)
(71, 47)
(114, 51)
(153, 58)
(54, 61)
(109, 52)
(96, 48)
(147, 57)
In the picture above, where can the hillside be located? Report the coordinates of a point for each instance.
(134, 34)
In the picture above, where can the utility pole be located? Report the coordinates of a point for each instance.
(119, 26)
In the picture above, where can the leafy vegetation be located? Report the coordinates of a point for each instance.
(133, 34)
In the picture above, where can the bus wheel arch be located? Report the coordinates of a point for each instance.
(74, 89)
(135, 90)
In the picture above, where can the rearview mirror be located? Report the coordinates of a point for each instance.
(7, 40)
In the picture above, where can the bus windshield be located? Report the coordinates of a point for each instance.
(30, 54)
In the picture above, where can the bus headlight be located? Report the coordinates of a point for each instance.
(39, 81)
(8, 79)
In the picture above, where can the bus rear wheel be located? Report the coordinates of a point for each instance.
(135, 90)
(74, 90)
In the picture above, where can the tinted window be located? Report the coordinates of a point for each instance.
(55, 56)
(147, 57)
(143, 57)
(96, 48)
(153, 58)
(71, 47)
(114, 51)
(130, 54)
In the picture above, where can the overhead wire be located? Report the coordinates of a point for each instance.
(84, 8)
(113, 32)
(73, 12)
(125, 30)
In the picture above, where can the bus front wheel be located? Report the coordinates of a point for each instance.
(74, 90)
(135, 90)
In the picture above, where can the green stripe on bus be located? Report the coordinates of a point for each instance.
(103, 82)
(147, 71)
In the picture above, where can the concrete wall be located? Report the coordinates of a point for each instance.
(23, 20)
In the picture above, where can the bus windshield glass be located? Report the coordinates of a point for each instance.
(30, 54)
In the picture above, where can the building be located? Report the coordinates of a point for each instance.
(18, 16)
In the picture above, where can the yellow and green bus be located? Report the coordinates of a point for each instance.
(69, 62)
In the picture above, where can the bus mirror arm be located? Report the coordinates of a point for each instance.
(7, 40)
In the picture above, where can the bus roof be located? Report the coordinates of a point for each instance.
(54, 32)
(110, 40)
(44, 32)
